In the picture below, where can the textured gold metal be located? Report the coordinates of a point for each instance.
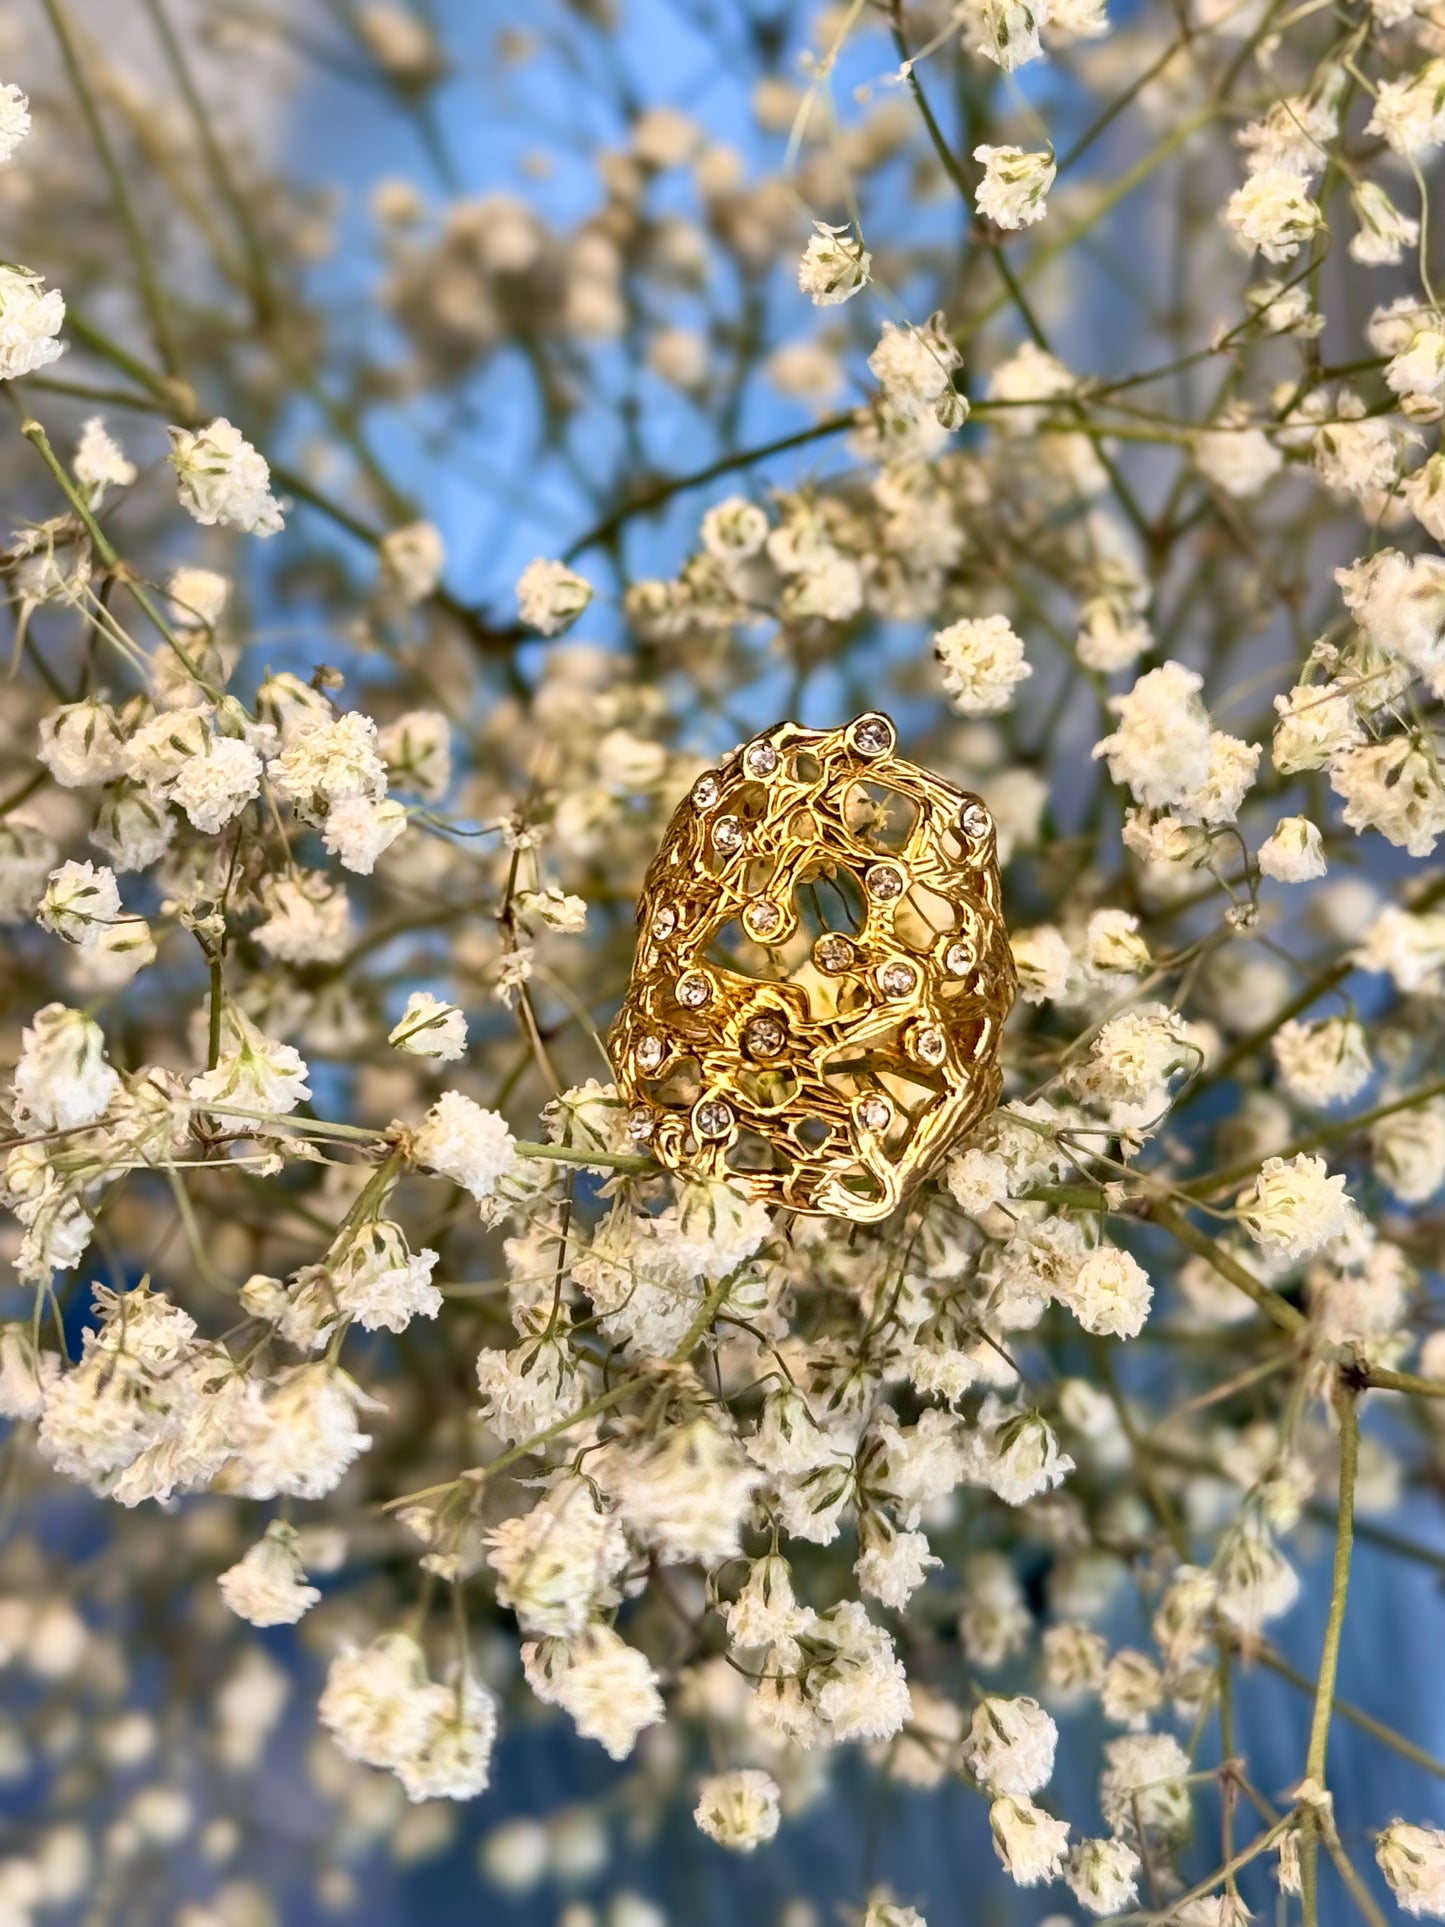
(822, 974)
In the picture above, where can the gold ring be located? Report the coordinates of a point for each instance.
(822, 974)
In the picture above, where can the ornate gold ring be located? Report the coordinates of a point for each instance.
(822, 973)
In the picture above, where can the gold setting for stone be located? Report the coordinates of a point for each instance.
(822, 974)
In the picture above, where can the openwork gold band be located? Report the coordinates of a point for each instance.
(822, 973)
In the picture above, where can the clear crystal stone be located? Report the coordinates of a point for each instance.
(884, 882)
(958, 959)
(897, 979)
(727, 834)
(649, 1052)
(640, 1124)
(765, 1035)
(706, 791)
(663, 925)
(874, 1112)
(930, 1043)
(713, 1118)
(974, 820)
(833, 953)
(873, 735)
(763, 917)
(760, 759)
(693, 991)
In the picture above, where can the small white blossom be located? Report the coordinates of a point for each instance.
(215, 785)
(1011, 193)
(222, 479)
(267, 1585)
(357, 831)
(62, 1079)
(1030, 1843)
(100, 462)
(14, 120)
(1410, 112)
(551, 596)
(1009, 30)
(459, 1140)
(1161, 746)
(1384, 232)
(412, 560)
(913, 367)
(1295, 1207)
(252, 1073)
(1102, 1875)
(1145, 1784)
(1009, 1748)
(834, 266)
(30, 321)
(430, 1027)
(607, 1686)
(1110, 1293)
(982, 662)
(81, 901)
(1294, 853)
(1272, 214)
(739, 1809)
(1322, 1062)
(1043, 961)
(1412, 1859)
(417, 751)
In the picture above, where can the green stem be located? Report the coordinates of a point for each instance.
(150, 289)
(1169, 1218)
(1319, 1740)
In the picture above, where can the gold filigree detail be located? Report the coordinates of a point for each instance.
(822, 974)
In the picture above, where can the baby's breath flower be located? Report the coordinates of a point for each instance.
(252, 1073)
(1102, 1875)
(1161, 747)
(1009, 1747)
(1294, 853)
(1145, 1784)
(62, 1079)
(14, 120)
(607, 1686)
(217, 783)
(417, 751)
(551, 596)
(1009, 29)
(1412, 1859)
(1011, 193)
(1322, 1062)
(412, 560)
(1109, 1293)
(357, 831)
(1273, 214)
(81, 901)
(430, 1027)
(267, 1586)
(834, 266)
(982, 662)
(1295, 1207)
(1043, 960)
(460, 1140)
(1030, 1843)
(739, 1809)
(100, 462)
(1409, 112)
(30, 321)
(1384, 232)
(222, 479)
